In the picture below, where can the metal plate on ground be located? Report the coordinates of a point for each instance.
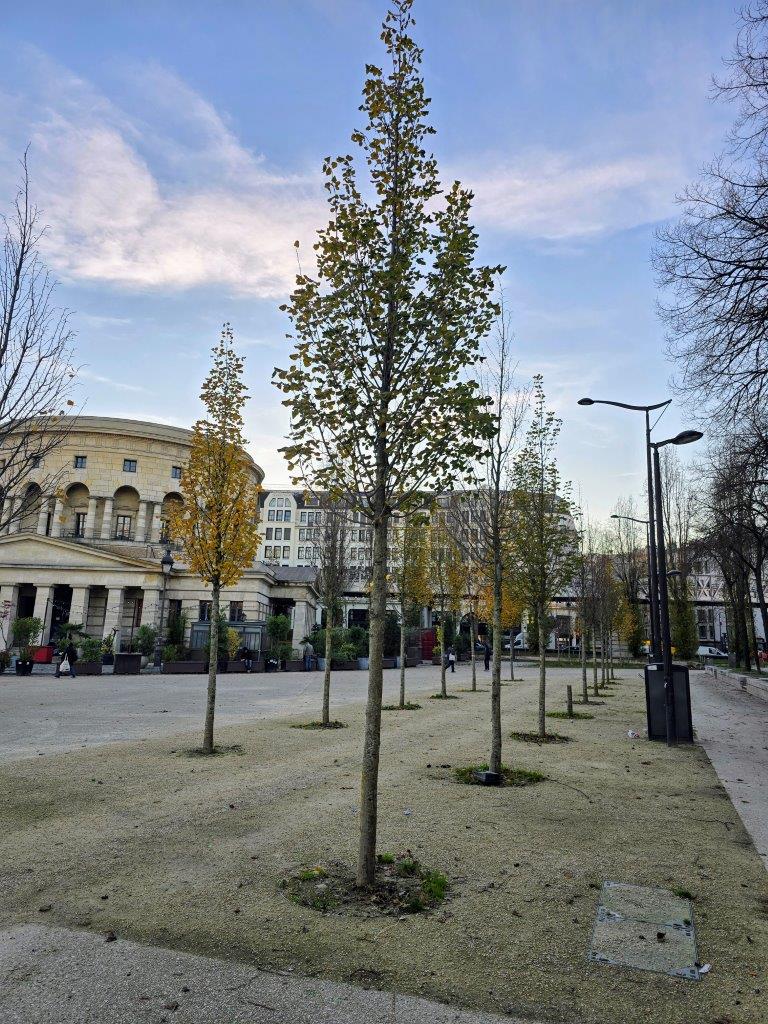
(648, 929)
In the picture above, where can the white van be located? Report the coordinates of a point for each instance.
(705, 651)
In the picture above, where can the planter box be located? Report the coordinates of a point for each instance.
(388, 662)
(435, 659)
(88, 668)
(127, 664)
(183, 668)
(24, 668)
(107, 659)
(43, 655)
(412, 661)
(343, 666)
(294, 665)
(363, 663)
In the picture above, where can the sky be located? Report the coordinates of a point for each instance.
(176, 150)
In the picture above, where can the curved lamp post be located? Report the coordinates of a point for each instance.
(653, 585)
(166, 564)
(684, 437)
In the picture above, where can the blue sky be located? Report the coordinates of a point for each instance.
(176, 150)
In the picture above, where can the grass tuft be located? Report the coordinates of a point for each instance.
(320, 725)
(443, 696)
(510, 776)
(534, 737)
(684, 894)
(566, 716)
(408, 706)
(233, 748)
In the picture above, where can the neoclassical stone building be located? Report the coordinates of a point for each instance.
(91, 551)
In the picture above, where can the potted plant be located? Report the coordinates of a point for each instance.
(90, 657)
(359, 637)
(25, 632)
(108, 648)
(5, 660)
(143, 642)
(278, 630)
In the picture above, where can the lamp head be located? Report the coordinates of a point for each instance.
(586, 401)
(166, 562)
(687, 437)
(614, 516)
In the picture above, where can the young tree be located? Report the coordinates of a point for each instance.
(409, 575)
(217, 524)
(379, 407)
(445, 578)
(331, 581)
(544, 543)
(36, 373)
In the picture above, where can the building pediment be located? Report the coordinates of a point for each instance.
(29, 549)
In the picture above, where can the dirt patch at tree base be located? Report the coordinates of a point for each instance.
(402, 886)
(534, 737)
(320, 725)
(468, 774)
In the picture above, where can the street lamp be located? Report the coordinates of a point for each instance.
(684, 437)
(166, 564)
(652, 558)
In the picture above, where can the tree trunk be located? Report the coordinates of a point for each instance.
(213, 664)
(472, 642)
(603, 654)
(753, 636)
(595, 690)
(511, 657)
(542, 675)
(402, 657)
(443, 689)
(366, 864)
(760, 589)
(583, 653)
(327, 674)
(495, 761)
(611, 673)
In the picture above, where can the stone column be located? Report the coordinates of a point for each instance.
(42, 515)
(106, 522)
(90, 519)
(44, 610)
(57, 525)
(78, 609)
(154, 533)
(14, 504)
(113, 615)
(141, 522)
(9, 601)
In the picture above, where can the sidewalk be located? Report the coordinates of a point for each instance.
(56, 976)
(732, 726)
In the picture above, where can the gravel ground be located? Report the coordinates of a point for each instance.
(187, 853)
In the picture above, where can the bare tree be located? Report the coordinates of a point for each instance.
(714, 260)
(36, 372)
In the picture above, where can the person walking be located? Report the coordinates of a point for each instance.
(68, 661)
(452, 659)
(487, 655)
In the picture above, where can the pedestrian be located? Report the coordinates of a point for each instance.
(246, 656)
(309, 653)
(69, 659)
(452, 659)
(487, 655)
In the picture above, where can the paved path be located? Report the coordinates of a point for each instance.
(40, 714)
(733, 729)
(56, 976)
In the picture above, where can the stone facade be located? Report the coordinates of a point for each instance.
(89, 530)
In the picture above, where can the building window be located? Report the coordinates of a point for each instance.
(174, 610)
(236, 613)
(165, 534)
(204, 611)
(123, 528)
(286, 552)
(36, 462)
(300, 554)
(271, 515)
(270, 531)
(302, 517)
(79, 524)
(80, 461)
(129, 465)
(287, 516)
(267, 550)
(176, 472)
(287, 533)
(278, 533)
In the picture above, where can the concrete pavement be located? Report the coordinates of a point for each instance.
(732, 726)
(57, 976)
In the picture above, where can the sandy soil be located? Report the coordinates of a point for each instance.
(188, 853)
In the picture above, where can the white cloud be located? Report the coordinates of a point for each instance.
(561, 197)
(168, 201)
(119, 385)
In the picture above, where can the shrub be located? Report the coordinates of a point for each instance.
(358, 638)
(177, 629)
(144, 640)
(90, 648)
(172, 652)
(391, 635)
(25, 633)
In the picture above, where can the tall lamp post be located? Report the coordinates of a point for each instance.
(166, 564)
(685, 437)
(653, 583)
